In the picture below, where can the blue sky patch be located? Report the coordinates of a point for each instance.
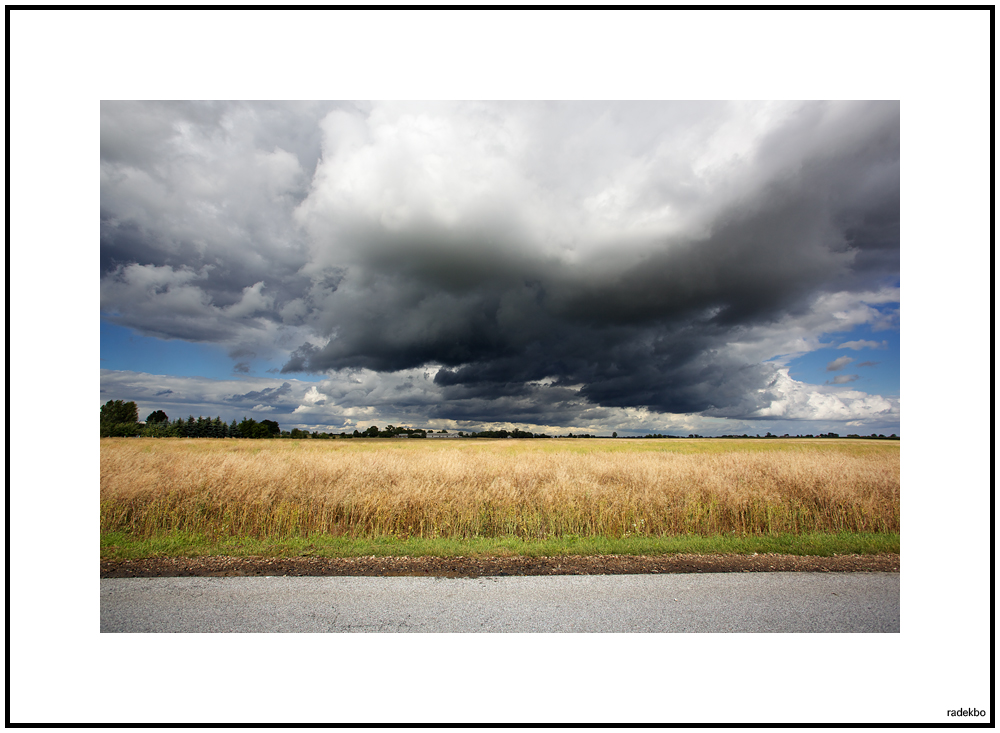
(125, 350)
(869, 364)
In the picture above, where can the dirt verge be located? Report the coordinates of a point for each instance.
(474, 567)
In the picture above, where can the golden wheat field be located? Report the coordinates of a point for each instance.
(490, 488)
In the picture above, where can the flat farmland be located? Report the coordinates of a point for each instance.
(530, 490)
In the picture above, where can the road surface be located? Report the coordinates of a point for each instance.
(716, 602)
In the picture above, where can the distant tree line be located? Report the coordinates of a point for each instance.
(120, 419)
(515, 433)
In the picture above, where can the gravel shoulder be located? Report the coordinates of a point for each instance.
(475, 567)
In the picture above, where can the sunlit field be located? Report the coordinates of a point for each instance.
(531, 489)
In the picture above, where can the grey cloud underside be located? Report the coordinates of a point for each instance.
(844, 379)
(265, 395)
(641, 318)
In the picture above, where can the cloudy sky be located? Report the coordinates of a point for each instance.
(677, 267)
(633, 231)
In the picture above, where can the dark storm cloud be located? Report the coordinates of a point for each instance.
(629, 255)
(642, 328)
(299, 360)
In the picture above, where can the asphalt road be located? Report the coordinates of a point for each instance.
(713, 602)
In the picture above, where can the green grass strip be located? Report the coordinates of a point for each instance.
(121, 546)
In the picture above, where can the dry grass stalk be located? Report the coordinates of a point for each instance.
(497, 488)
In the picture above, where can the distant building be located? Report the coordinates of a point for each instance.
(442, 436)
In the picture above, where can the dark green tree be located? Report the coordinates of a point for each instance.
(157, 416)
(119, 411)
(119, 419)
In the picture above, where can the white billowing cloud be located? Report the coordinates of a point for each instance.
(800, 401)
(839, 363)
(253, 302)
(312, 396)
(559, 181)
(405, 164)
